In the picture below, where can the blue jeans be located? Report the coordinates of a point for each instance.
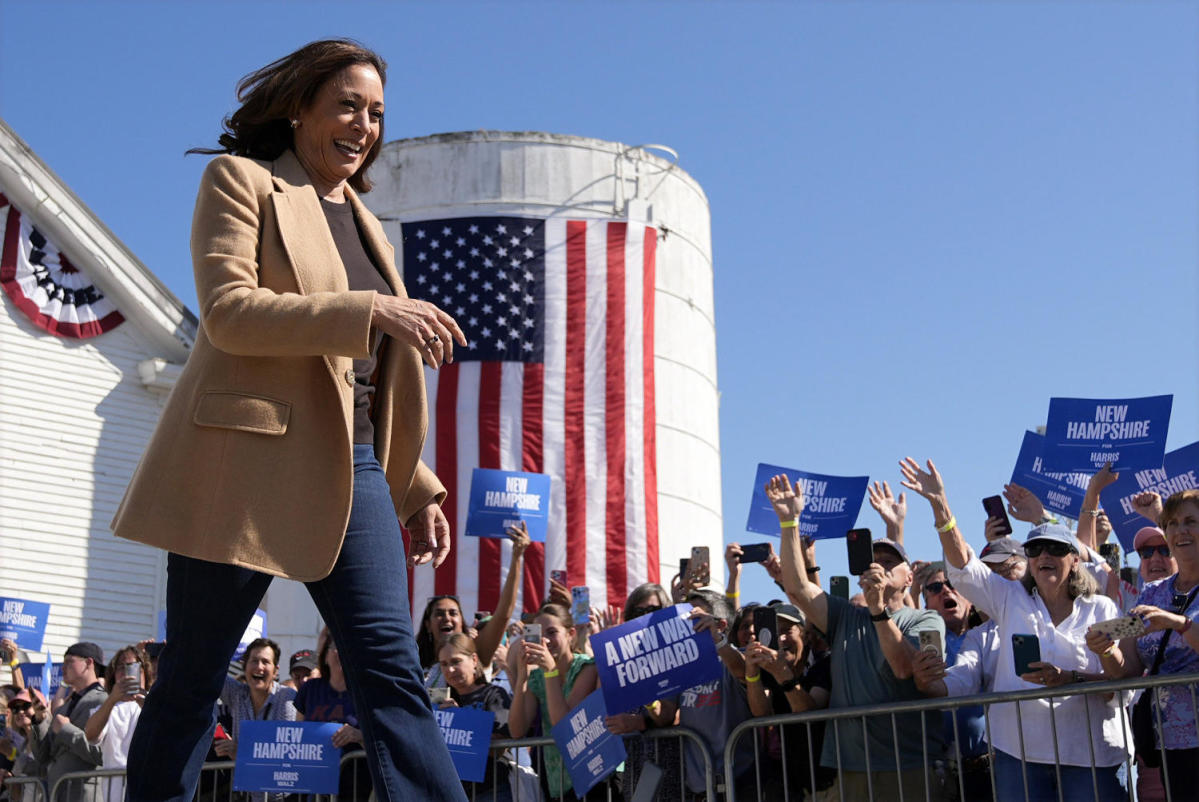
(365, 603)
(1077, 784)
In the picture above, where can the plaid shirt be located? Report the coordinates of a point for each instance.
(280, 705)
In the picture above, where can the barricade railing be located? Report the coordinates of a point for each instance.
(834, 718)
(26, 789)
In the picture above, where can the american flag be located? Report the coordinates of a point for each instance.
(558, 378)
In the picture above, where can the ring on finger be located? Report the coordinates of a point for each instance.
(434, 339)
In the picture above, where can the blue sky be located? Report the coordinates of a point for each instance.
(927, 218)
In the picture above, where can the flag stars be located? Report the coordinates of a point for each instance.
(420, 257)
(487, 286)
(460, 242)
(474, 252)
(501, 251)
(486, 332)
(473, 229)
(420, 233)
(528, 346)
(420, 279)
(501, 228)
(514, 241)
(460, 287)
(528, 323)
(528, 255)
(434, 243)
(487, 240)
(447, 253)
(474, 297)
(460, 264)
(487, 309)
(528, 230)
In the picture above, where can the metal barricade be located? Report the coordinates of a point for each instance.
(836, 719)
(26, 789)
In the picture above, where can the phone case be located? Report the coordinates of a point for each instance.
(839, 587)
(558, 576)
(1025, 649)
(439, 695)
(765, 626)
(861, 550)
(532, 633)
(993, 505)
(580, 608)
(755, 552)
(930, 641)
(1126, 626)
(699, 557)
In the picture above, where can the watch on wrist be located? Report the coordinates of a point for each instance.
(885, 615)
(724, 641)
(789, 685)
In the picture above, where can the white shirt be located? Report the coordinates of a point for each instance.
(115, 739)
(1017, 612)
(974, 670)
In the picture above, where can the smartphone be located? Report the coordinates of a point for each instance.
(439, 696)
(580, 605)
(766, 626)
(558, 576)
(133, 671)
(1111, 553)
(755, 553)
(532, 633)
(699, 558)
(839, 586)
(995, 509)
(1129, 575)
(861, 550)
(930, 641)
(1025, 649)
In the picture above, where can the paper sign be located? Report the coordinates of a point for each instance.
(589, 752)
(467, 734)
(291, 756)
(1059, 492)
(35, 677)
(831, 503)
(255, 630)
(1181, 472)
(499, 499)
(23, 622)
(652, 657)
(1082, 434)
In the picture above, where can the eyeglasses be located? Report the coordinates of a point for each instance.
(1054, 548)
(20, 707)
(637, 612)
(937, 587)
(1148, 551)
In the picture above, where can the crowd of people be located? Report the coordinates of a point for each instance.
(915, 630)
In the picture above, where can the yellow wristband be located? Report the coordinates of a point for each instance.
(549, 674)
(755, 678)
(732, 595)
(949, 526)
(792, 524)
(13, 664)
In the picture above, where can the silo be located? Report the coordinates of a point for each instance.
(550, 177)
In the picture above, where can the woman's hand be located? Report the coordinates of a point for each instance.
(1023, 505)
(225, 747)
(8, 650)
(1099, 642)
(1148, 505)
(1157, 619)
(419, 324)
(732, 559)
(786, 500)
(993, 529)
(519, 535)
(347, 735)
(892, 510)
(1100, 480)
(625, 722)
(1046, 674)
(536, 655)
(430, 535)
(927, 483)
(763, 658)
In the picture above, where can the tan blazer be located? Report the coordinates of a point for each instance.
(251, 463)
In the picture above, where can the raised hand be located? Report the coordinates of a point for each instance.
(1148, 504)
(892, 510)
(786, 500)
(927, 483)
(519, 535)
(1102, 479)
(993, 529)
(1023, 505)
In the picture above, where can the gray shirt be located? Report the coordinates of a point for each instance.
(862, 676)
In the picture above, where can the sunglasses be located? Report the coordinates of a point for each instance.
(937, 587)
(22, 707)
(637, 612)
(1148, 551)
(1054, 548)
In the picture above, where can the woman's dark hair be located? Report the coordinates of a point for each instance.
(462, 643)
(116, 670)
(738, 617)
(322, 654)
(270, 97)
(426, 645)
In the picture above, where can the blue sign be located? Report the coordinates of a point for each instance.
(831, 503)
(1082, 434)
(1178, 473)
(652, 657)
(35, 677)
(290, 756)
(1060, 492)
(500, 499)
(467, 734)
(589, 751)
(23, 622)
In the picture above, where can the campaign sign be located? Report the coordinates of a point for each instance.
(1179, 473)
(23, 622)
(1060, 492)
(1082, 434)
(467, 733)
(290, 756)
(589, 751)
(499, 499)
(35, 677)
(254, 630)
(652, 657)
(831, 503)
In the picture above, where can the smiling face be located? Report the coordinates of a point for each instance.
(444, 619)
(556, 636)
(261, 669)
(339, 127)
(1182, 530)
(1050, 573)
(791, 642)
(1157, 565)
